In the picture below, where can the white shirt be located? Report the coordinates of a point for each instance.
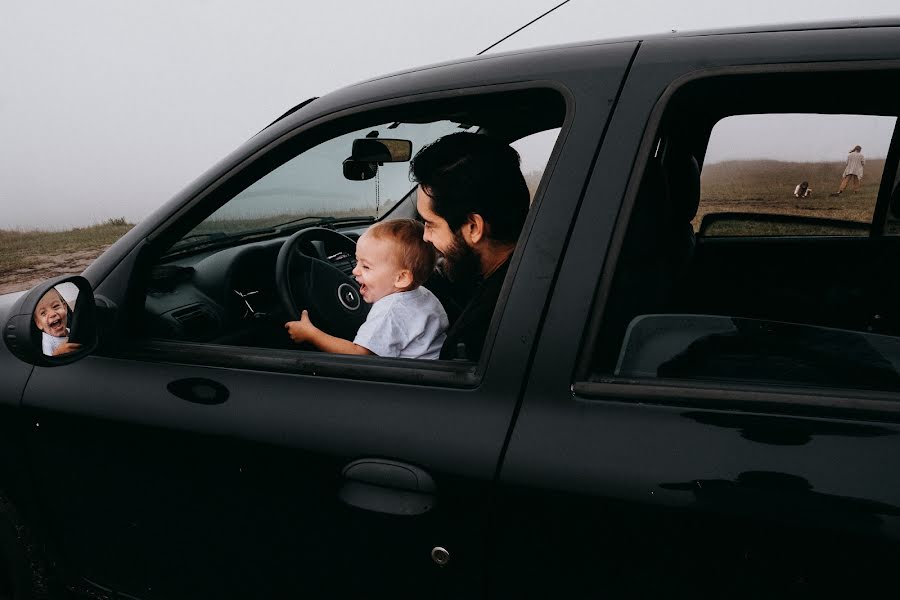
(406, 325)
(49, 343)
(855, 162)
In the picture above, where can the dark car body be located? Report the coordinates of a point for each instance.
(537, 470)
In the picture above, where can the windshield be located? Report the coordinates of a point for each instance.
(313, 185)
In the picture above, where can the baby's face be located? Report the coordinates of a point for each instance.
(376, 271)
(51, 314)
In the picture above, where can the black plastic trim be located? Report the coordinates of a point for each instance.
(394, 370)
(805, 401)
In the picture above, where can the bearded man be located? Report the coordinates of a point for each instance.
(473, 200)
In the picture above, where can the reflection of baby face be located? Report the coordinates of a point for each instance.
(51, 314)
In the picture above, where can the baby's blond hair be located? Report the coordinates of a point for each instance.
(413, 252)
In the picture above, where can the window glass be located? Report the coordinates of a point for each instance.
(801, 308)
(292, 240)
(313, 184)
(792, 174)
(534, 151)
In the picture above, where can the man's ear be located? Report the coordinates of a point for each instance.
(403, 280)
(474, 229)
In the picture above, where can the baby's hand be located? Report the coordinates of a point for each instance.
(65, 348)
(302, 330)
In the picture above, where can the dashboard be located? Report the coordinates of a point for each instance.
(228, 295)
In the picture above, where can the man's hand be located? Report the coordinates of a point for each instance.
(302, 330)
(65, 348)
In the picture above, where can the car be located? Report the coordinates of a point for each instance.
(661, 407)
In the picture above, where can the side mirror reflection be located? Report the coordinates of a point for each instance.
(54, 317)
(53, 324)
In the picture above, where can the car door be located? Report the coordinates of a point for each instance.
(627, 481)
(12, 385)
(173, 469)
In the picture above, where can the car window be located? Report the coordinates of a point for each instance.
(286, 242)
(313, 184)
(534, 151)
(792, 174)
(731, 271)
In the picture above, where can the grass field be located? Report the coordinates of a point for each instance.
(26, 256)
(768, 187)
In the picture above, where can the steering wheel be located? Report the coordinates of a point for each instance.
(305, 281)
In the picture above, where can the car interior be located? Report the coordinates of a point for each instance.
(782, 295)
(248, 259)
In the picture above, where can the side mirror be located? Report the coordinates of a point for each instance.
(54, 324)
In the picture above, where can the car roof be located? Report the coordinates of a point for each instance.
(855, 23)
(447, 73)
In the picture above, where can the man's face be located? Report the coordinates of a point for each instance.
(50, 314)
(437, 231)
(460, 261)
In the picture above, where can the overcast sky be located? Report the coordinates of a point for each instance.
(801, 138)
(108, 108)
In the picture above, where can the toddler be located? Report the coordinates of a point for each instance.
(406, 320)
(51, 316)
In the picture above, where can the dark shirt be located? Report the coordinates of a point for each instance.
(471, 326)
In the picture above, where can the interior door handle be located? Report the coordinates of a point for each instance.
(387, 486)
(199, 390)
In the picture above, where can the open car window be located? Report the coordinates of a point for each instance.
(753, 254)
(792, 174)
(313, 186)
(234, 277)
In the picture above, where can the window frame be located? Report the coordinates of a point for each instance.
(256, 165)
(588, 385)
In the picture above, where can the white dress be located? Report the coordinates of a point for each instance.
(855, 163)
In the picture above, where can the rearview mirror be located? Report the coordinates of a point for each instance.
(53, 324)
(368, 153)
(355, 170)
(381, 150)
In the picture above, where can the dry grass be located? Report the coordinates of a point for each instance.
(23, 250)
(767, 187)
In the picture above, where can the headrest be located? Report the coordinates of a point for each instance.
(683, 180)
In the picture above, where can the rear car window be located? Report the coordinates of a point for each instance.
(792, 175)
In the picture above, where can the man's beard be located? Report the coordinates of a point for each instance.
(461, 264)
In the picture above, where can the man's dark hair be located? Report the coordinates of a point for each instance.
(467, 173)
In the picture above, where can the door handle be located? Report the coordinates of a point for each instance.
(199, 390)
(388, 486)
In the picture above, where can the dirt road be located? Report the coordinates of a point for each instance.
(49, 266)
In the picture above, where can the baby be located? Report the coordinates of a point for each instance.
(51, 316)
(406, 320)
